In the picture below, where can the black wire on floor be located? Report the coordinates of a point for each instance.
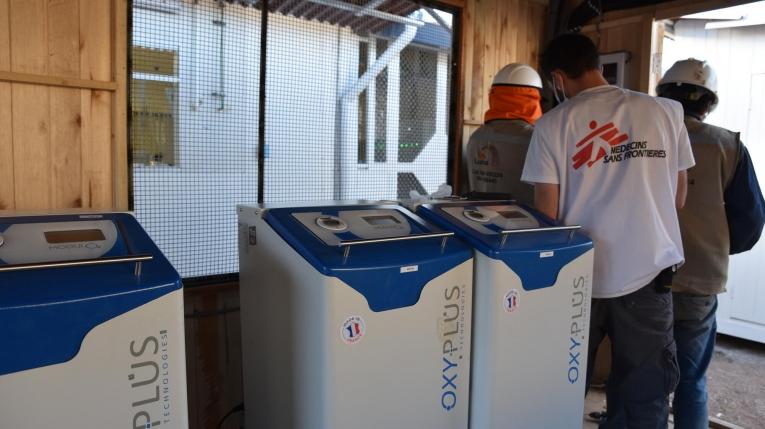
(233, 411)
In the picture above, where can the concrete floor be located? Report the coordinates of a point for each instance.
(736, 384)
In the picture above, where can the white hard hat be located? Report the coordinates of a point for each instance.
(518, 74)
(693, 72)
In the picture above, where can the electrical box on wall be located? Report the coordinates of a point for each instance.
(615, 67)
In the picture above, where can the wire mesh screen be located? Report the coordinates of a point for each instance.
(357, 99)
(357, 106)
(194, 134)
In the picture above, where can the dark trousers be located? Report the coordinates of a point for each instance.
(643, 357)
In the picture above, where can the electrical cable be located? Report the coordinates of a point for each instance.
(233, 411)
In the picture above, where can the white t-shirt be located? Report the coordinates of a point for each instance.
(616, 155)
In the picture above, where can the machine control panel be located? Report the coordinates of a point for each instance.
(355, 224)
(493, 219)
(56, 241)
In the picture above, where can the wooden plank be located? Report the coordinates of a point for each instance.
(65, 82)
(612, 24)
(29, 36)
(97, 163)
(7, 199)
(31, 147)
(475, 103)
(30, 108)
(6, 125)
(64, 61)
(64, 38)
(508, 36)
(646, 28)
(468, 27)
(522, 24)
(65, 148)
(539, 16)
(5, 36)
(490, 52)
(95, 40)
(119, 105)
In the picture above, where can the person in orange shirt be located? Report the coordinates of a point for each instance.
(496, 151)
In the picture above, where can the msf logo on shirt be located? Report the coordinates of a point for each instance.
(597, 144)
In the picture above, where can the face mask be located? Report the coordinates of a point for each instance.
(560, 98)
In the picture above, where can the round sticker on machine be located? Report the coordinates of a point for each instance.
(352, 330)
(510, 303)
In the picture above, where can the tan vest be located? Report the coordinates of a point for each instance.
(703, 223)
(494, 159)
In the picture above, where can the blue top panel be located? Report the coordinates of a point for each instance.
(373, 270)
(46, 313)
(521, 252)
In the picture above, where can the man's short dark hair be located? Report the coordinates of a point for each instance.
(696, 100)
(574, 54)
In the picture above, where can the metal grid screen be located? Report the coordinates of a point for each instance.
(356, 107)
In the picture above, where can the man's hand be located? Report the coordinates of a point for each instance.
(546, 199)
(682, 189)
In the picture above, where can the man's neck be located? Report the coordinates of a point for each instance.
(590, 79)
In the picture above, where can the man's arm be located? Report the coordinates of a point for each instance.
(546, 199)
(682, 189)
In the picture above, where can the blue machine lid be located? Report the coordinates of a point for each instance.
(536, 258)
(46, 313)
(384, 273)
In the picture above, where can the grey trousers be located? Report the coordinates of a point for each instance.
(644, 367)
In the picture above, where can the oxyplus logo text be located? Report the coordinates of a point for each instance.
(578, 325)
(453, 323)
(150, 381)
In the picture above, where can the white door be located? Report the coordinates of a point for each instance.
(742, 309)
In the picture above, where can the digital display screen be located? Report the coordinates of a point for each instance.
(74, 236)
(512, 214)
(380, 220)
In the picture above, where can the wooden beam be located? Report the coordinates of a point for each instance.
(65, 82)
(646, 54)
(455, 3)
(591, 28)
(119, 104)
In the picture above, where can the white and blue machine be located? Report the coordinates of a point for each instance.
(531, 314)
(92, 325)
(353, 316)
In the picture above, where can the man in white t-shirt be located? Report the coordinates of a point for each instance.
(614, 161)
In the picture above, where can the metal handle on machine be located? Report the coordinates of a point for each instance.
(81, 263)
(570, 228)
(348, 243)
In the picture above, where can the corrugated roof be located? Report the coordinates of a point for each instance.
(306, 9)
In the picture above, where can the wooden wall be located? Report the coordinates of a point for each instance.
(632, 34)
(495, 33)
(61, 104)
